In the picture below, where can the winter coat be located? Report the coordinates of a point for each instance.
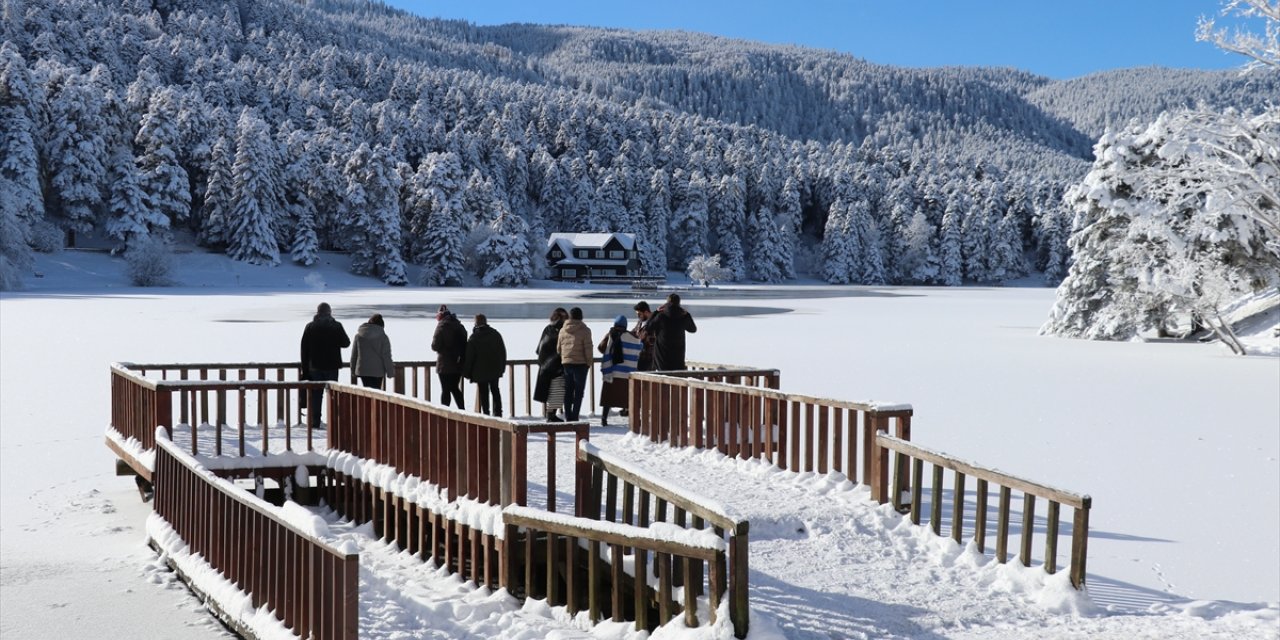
(574, 343)
(322, 343)
(646, 345)
(450, 345)
(549, 367)
(371, 353)
(621, 350)
(486, 355)
(668, 326)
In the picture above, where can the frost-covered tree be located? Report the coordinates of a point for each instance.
(300, 211)
(706, 270)
(950, 260)
(689, 215)
(373, 215)
(217, 193)
(653, 242)
(727, 213)
(440, 198)
(77, 149)
(21, 202)
(919, 263)
(1262, 49)
(255, 193)
(504, 254)
(1171, 219)
(164, 180)
(839, 245)
(129, 210)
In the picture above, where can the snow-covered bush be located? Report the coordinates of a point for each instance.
(706, 270)
(149, 262)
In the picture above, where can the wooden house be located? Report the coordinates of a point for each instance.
(586, 256)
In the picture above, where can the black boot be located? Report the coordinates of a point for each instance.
(551, 417)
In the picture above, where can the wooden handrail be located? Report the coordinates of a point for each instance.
(946, 461)
(917, 455)
(678, 497)
(674, 378)
(674, 563)
(247, 541)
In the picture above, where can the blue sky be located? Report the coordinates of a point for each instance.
(1056, 38)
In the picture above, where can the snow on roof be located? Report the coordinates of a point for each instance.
(591, 240)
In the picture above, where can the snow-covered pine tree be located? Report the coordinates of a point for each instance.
(372, 215)
(769, 259)
(653, 242)
(838, 245)
(727, 216)
(919, 262)
(76, 144)
(505, 252)
(440, 251)
(950, 260)
(689, 216)
(869, 259)
(612, 211)
(299, 165)
(129, 212)
(164, 180)
(791, 217)
(217, 193)
(255, 193)
(21, 201)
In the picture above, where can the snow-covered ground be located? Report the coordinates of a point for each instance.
(1177, 443)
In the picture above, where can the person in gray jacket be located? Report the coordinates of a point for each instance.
(371, 353)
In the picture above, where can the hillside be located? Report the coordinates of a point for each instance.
(434, 151)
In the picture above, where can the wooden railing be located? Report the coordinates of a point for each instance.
(559, 558)
(793, 431)
(910, 458)
(414, 378)
(311, 587)
(463, 453)
(223, 400)
(620, 492)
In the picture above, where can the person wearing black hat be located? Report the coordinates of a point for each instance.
(668, 326)
(643, 315)
(322, 343)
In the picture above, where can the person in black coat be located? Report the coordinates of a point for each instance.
(485, 363)
(450, 345)
(668, 327)
(322, 343)
(549, 386)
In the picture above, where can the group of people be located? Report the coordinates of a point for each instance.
(655, 343)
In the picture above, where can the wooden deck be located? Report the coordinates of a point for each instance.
(193, 429)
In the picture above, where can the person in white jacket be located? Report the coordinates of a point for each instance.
(371, 353)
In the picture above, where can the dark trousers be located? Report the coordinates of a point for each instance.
(575, 383)
(450, 386)
(490, 388)
(373, 382)
(315, 401)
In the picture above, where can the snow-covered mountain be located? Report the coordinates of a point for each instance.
(435, 151)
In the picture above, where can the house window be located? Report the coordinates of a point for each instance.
(615, 255)
(556, 253)
(599, 253)
(568, 273)
(632, 254)
(601, 272)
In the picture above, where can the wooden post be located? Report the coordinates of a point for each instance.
(1028, 526)
(1080, 543)
(739, 609)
